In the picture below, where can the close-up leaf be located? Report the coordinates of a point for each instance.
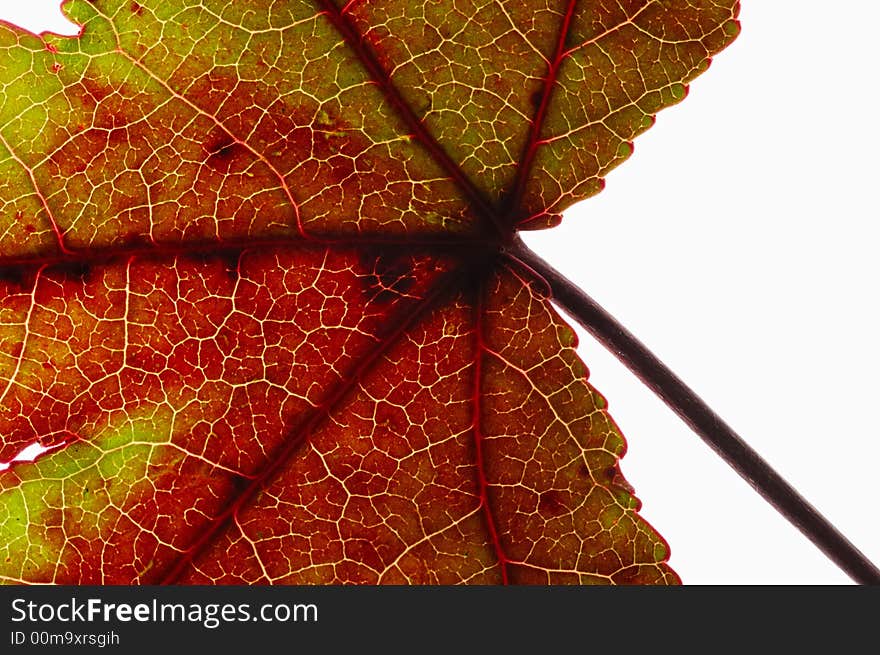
(261, 303)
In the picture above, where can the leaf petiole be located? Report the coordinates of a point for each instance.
(682, 400)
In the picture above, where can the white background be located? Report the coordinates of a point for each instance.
(740, 244)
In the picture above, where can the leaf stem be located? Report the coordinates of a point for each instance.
(700, 418)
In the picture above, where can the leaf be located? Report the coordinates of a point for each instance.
(256, 301)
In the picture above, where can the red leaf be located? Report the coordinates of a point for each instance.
(254, 290)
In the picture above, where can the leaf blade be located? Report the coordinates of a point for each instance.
(179, 154)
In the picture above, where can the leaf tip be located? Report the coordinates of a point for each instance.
(679, 92)
(732, 28)
(625, 149)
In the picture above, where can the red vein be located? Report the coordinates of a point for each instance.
(298, 437)
(476, 424)
(56, 229)
(381, 78)
(530, 148)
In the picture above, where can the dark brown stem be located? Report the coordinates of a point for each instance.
(701, 419)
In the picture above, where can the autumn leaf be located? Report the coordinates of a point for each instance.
(258, 301)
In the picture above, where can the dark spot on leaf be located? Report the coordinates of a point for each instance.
(222, 150)
(550, 502)
(239, 484)
(536, 98)
(136, 9)
(615, 478)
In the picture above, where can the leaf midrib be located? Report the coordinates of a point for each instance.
(530, 148)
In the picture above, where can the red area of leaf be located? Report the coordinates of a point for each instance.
(222, 150)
